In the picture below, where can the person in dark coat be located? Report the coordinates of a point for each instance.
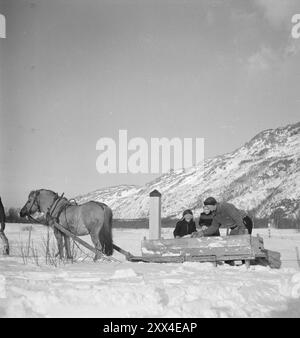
(186, 225)
(228, 215)
(205, 220)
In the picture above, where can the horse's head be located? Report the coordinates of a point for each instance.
(38, 201)
(32, 205)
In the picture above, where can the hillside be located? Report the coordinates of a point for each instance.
(262, 176)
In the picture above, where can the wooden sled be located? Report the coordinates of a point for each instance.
(209, 249)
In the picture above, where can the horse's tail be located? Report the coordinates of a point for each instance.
(105, 235)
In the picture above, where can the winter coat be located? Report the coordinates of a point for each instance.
(229, 216)
(184, 228)
(206, 220)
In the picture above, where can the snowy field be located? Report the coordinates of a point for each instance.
(33, 283)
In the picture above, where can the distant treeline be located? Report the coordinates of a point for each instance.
(283, 223)
(13, 216)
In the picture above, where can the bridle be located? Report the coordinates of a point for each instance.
(51, 209)
(36, 194)
(54, 204)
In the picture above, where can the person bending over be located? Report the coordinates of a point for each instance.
(228, 215)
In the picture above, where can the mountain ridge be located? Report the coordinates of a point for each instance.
(262, 176)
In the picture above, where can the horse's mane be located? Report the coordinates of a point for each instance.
(48, 190)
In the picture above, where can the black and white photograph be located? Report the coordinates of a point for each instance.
(149, 161)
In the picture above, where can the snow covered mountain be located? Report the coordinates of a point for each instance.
(263, 176)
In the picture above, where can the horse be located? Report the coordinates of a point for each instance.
(2, 228)
(93, 218)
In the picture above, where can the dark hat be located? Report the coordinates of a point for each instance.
(188, 211)
(210, 201)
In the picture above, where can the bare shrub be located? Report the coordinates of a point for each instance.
(28, 250)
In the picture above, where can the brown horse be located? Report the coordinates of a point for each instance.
(92, 218)
(2, 235)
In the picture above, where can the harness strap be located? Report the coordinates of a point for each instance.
(33, 219)
(55, 202)
(63, 208)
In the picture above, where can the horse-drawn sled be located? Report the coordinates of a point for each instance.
(245, 248)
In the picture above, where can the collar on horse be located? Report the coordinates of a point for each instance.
(52, 209)
(57, 199)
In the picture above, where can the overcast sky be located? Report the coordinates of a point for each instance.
(73, 71)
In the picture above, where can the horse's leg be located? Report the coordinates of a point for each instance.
(68, 247)
(95, 238)
(5, 243)
(59, 238)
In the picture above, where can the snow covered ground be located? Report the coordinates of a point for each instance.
(32, 287)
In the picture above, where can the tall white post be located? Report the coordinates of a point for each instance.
(155, 215)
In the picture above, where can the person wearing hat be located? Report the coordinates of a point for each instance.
(205, 220)
(186, 225)
(228, 215)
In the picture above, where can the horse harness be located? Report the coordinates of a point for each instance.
(62, 209)
(53, 207)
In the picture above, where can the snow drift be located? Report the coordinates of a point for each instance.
(124, 289)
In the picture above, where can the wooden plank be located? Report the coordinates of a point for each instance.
(257, 245)
(198, 246)
(240, 247)
(273, 258)
(208, 249)
(209, 242)
(179, 259)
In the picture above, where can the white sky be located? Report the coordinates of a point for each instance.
(74, 71)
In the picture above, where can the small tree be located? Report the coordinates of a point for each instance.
(13, 215)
